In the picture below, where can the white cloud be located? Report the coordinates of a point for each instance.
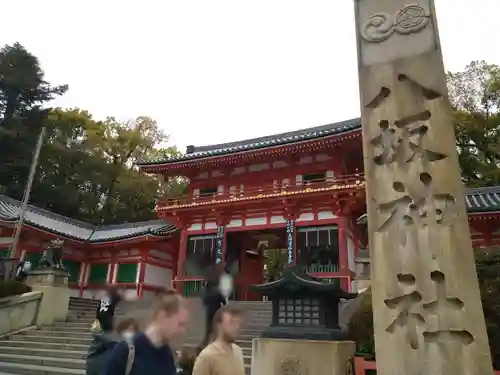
(219, 70)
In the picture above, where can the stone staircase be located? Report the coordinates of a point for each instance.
(61, 348)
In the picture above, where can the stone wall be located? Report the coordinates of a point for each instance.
(19, 312)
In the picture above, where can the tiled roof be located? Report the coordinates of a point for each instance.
(477, 200)
(74, 229)
(486, 199)
(264, 142)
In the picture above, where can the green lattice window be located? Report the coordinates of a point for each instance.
(73, 269)
(4, 254)
(98, 273)
(127, 273)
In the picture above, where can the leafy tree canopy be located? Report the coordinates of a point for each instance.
(475, 94)
(86, 168)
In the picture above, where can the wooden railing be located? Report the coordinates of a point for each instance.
(355, 181)
(193, 285)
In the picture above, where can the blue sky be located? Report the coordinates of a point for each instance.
(219, 70)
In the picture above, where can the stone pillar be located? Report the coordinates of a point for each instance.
(53, 283)
(427, 309)
(282, 357)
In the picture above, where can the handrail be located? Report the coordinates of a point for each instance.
(353, 181)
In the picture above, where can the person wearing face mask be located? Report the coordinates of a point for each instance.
(103, 343)
(127, 329)
(150, 352)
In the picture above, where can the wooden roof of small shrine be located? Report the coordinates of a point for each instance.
(78, 230)
(270, 141)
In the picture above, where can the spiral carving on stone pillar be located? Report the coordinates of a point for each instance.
(380, 26)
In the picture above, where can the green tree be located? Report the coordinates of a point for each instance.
(22, 84)
(475, 95)
(22, 91)
(91, 164)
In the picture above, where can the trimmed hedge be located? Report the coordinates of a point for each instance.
(12, 288)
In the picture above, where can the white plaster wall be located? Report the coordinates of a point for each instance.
(306, 217)
(235, 223)
(280, 164)
(203, 175)
(330, 175)
(197, 226)
(277, 219)
(217, 173)
(158, 276)
(160, 254)
(323, 157)
(256, 221)
(238, 170)
(306, 160)
(220, 189)
(5, 240)
(298, 179)
(326, 215)
(350, 254)
(258, 167)
(211, 225)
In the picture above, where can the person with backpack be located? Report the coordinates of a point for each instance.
(103, 343)
(150, 353)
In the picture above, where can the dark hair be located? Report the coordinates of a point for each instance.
(225, 310)
(126, 323)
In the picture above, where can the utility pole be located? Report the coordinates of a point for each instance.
(26, 197)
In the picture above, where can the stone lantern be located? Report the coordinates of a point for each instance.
(304, 307)
(305, 331)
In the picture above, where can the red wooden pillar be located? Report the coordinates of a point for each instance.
(182, 258)
(112, 267)
(343, 253)
(142, 271)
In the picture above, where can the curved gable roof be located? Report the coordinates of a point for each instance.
(200, 152)
(64, 226)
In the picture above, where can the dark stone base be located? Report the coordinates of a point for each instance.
(305, 333)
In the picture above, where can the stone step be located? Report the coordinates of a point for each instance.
(45, 345)
(35, 350)
(254, 326)
(27, 369)
(51, 332)
(65, 363)
(51, 339)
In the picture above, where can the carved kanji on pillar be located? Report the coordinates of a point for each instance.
(409, 316)
(419, 235)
